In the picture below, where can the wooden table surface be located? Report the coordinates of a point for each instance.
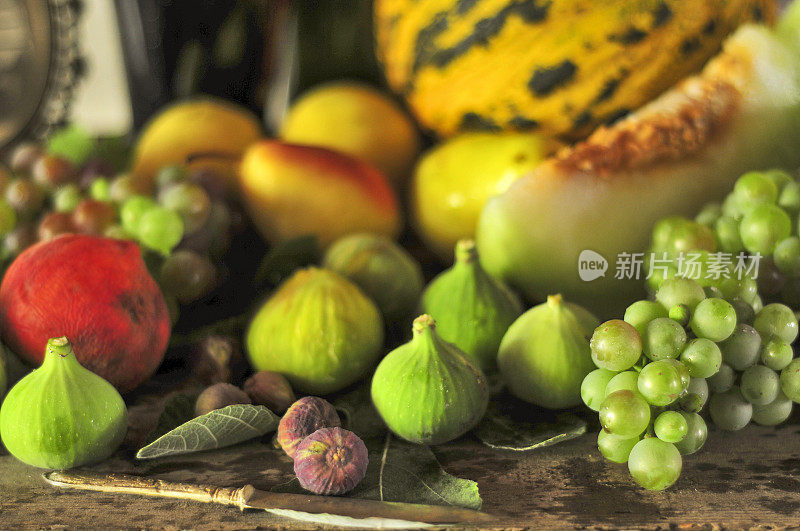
(745, 479)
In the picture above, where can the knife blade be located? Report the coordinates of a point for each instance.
(345, 511)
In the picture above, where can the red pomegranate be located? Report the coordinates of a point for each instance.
(98, 293)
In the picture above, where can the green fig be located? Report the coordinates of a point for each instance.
(545, 354)
(428, 391)
(318, 330)
(472, 310)
(62, 415)
(382, 269)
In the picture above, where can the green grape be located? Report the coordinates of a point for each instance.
(702, 357)
(190, 201)
(741, 349)
(640, 313)
(663, 338)
(670, 426)
(67, 197)
(773, 413)
(776, 354)
(188, 275)
(690, 237)
(759, 385)
(770, 279)
(787, 256)
(624, 381)
(764, 226)
(657, 277)
(695, 397)
(8, 217)
(117, 232)
(726, 229)
(160, 229)
(660, 383)
(758, 304)
(790, 380)
(790, 197)
(776, 320)
(132, 211)
(713, 292)
(780, 177)
(723, 380)
(655, 464)
(169, 175)
(625, 414)
(680, 314)
(683, 373)
(744, 311)
(744, 288)
(614, 448)
(729, 410)
(593, 387)
(663, 229)
(709, 214)
(100, 189)
(615, 345)
(713, 319)
(696, 434)
(755, 188)
(680, 290)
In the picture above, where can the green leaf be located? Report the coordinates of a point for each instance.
(178, 409)
(283, 259)
(222, 427)
(72, 142)
(400, 471)
(510, 424)
(358, 414)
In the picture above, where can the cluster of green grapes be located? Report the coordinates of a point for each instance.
(183, 221)
(758, 217)
(669, 357)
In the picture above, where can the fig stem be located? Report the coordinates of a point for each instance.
(466, 251)
(422, 323)
(553, 301)
(60, 346)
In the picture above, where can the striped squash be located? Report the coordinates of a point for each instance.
(558, 66)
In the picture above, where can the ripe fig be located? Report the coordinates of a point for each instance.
(218, 396)
(270, 389)
(62, 415)
(331, 461)
(427, 391)
(303, 418)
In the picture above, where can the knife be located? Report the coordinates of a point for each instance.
(338, 511)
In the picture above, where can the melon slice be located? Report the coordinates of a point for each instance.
(682, 150)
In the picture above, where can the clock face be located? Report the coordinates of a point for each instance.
(36, 51)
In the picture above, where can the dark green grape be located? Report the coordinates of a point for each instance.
(787, 256)
(755, 188)
(640, 313)
(742, 348)
(780, 177)
(188, 276)
(8, 217)
(160, 229)
(713, 319)
(25, 197)
(695, 397)
(726, 229)
(615, 345)
(776, 354)
(758, 305)
(680, 314)
(190, 201)
(132, 211)
(764, 226)
(663, 339)
(744, 288)
(729, 410)
(696, 434)
(680, 290)
(709, 214)
(625, 414)
(670, 426)
(723, 380)
(660, 383)
(593, 388)
(655, 464)
(759, 385)
(744, 311)
(67, 198)
(776, 320)
(790, 380)
(614, 448)
(713, 292)
(770, 279)
(624, 381)
(773, 413)
(702, 357)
